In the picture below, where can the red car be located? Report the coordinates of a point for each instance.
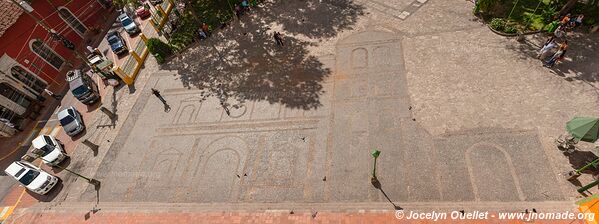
(142, 12)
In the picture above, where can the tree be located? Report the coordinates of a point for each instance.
(567, 7)
(123, 3)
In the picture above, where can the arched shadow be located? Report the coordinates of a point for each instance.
(243, 62)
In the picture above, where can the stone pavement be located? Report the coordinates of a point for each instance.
(246, 217)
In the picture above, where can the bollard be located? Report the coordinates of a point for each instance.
(107, 112)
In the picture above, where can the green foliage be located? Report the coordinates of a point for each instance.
(159, 49)
(185, 33)
(486, 6)
(534, 21)
(123, 3)
(497, 24)
(510, 28)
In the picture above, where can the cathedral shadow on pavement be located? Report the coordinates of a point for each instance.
(243, 63)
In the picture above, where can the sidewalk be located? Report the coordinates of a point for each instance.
(279, 217)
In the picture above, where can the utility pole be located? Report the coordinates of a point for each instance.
(56, 36)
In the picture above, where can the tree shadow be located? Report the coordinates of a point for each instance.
(313, 18)
(580, 62)
(242, 61)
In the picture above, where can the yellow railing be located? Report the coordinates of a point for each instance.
(137, 56)
(159, 20)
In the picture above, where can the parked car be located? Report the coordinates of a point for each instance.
(83, 87)
(31, 177)
(50, 149)
(128, 23)
(116, 42)
(155, 2)
(142, 12)
(71, 121)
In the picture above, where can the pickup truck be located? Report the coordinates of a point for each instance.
(117, 45)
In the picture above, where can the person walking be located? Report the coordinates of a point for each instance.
(278, 39)
(559, 55)
(205, 28)
(50, 93)
(549, 46)
(156, 93)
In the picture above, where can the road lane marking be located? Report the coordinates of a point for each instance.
(54, 131)
(6, 211)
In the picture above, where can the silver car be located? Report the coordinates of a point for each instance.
(71, 121)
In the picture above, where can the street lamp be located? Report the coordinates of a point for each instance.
(375, 154)
(89, 180)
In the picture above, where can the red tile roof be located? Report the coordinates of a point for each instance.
(9, 13)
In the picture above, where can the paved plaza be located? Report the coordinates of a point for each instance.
(461, 115)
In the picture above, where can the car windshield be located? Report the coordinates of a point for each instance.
(113, 40)
(29, 177)
(46, 150)
(80, 90)
(66, 120)
(126, 21)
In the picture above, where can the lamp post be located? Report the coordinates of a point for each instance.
(375, 154)
(55, 36)
(89, 180)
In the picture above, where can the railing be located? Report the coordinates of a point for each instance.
(137, 56)
(159, 19)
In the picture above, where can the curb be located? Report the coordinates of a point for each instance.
(512, 34)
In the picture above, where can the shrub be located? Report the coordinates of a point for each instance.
(159, 49)
(497, 24)
(510, 28)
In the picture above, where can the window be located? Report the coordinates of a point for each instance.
(73, 22)
(28, 79)
(14, 95)
(43, 51)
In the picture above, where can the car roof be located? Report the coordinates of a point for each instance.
(112, 33)
(64, 113)
(38, 142)
(13, 168)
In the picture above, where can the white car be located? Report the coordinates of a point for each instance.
(128, 23)
(31, 177)
(49, 149)
(71, 121)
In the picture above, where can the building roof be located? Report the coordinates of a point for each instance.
(9, 13)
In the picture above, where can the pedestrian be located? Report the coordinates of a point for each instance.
(578, 20)
(245, 5)
(205, 28)
(278, 39)
(549, 45)
(238, 12)
(559, 55)
(50, 93)
(156, 93)
(566, 19)
(202, 34)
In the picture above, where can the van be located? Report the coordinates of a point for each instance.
(50, 149)
(83, 87)
(33, 178)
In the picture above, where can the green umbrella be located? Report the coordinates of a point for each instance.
(584, 128)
